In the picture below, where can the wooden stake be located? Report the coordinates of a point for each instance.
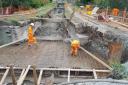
(22, 73)
(12, 43)
(69, 75)
(21, 79)
(35, 75)
(40, 76)
(13, 75)
(94, 57)
(4, 76)
(94, 73)
(124, 15)
(124, 25)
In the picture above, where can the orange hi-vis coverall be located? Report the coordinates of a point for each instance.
(31, 38)
(115, 11)
(75, 44)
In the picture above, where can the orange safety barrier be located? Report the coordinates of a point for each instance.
(115, 11)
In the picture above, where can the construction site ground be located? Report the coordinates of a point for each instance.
(47, 54)
(53, 50)
(15, 54)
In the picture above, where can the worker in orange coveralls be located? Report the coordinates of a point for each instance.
(75, 45)
(31, 37)
(115, 11)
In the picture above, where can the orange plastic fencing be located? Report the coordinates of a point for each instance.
(115, 11)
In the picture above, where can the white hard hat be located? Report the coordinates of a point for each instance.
(32, 24)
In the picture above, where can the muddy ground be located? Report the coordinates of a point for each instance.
(47, 54)
(102, 36)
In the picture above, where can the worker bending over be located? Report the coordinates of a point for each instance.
(31, 37)
(75, 45)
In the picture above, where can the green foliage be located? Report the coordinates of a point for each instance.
(112, 3)
(121, 4)
(46, 8)
(14, 22)
(36, 3)
(4, 3)
(102, 3)
(83, 2)
(9, 22)
(23, 3)
(119, 71)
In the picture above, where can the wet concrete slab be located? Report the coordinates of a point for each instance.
(46, 54)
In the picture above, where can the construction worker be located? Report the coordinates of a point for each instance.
(31, 38)
(88, 9)
(75, 44)
(115, 11)
(81, 9)
(89, 13)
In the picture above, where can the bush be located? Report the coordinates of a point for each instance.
(9, 22)
(121, 4)
(14, 22)
(119, 71)
(36, 3)
(112, 3)
(25, 3)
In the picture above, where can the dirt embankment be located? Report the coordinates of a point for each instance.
(105, 41)
(108, 44)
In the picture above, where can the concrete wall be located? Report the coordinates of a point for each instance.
(5, 35)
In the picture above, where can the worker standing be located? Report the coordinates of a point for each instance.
(75, 45)
(31, 37)
(88, 9)
(115, 11)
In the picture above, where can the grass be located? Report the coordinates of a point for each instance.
(46, 8)
(119, 71)
(39, 12)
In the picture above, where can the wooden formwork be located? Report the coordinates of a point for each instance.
(120, 20)
(37, 79)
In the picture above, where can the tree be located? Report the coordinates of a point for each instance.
(23, 3)
(111, 3)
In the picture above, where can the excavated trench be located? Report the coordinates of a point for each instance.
(110, 45)
(52, 51)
